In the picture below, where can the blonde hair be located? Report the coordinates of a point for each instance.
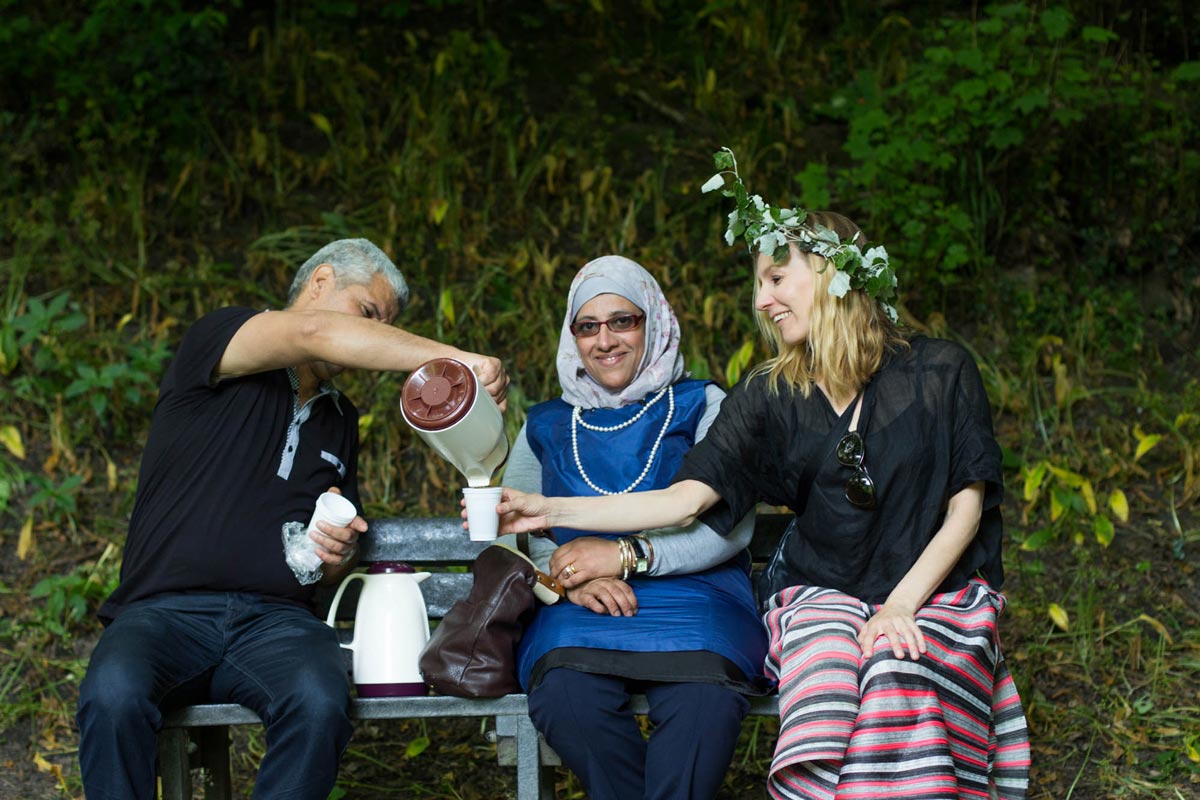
(847, 336)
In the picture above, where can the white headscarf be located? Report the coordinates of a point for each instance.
(661, 364)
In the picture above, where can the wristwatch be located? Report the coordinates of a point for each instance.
(641, 564)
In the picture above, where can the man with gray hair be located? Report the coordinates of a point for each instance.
(248, 431)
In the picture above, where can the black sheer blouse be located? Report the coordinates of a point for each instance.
(929, 435)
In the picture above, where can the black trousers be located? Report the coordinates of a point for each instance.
(586, 719)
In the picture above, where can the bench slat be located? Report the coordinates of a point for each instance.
(360, 708)
(431, 542)
(406, 708)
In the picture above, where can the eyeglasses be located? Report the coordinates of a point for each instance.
(860, 489)
(620, 324)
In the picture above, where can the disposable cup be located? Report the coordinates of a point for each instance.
(334, 509)
(482, 519)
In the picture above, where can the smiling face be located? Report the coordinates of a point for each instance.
(612, 359)
(785, 292)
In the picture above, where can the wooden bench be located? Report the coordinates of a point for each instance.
(197, 737)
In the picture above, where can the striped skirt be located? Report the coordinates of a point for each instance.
(947, 726)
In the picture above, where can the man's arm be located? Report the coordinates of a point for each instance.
(287, 338)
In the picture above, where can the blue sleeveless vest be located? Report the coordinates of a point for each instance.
(713, 610)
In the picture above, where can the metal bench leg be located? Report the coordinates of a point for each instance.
(214, 758)
(533, 782)
(174, 768)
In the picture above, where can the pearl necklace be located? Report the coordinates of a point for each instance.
(577, 420)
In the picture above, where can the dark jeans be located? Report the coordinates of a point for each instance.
(586, 719)
(277, 659)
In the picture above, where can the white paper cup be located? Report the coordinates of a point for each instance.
(331, 508)
(482, 519)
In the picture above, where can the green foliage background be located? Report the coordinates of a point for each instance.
(1032, 167)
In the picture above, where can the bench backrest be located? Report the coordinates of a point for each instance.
(437, 543)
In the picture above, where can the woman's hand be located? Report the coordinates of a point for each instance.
(518, 512)
(898, 627)
(605, 596)
(585, 558)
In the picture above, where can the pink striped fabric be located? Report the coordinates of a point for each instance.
(947, 726)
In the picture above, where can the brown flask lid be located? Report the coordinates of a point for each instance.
(438, 394)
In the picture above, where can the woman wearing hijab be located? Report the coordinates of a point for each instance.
(669, 613)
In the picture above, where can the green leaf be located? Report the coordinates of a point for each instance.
(446, 306)
(10, 437)
(416, 747)
(1145, 444)
(1056, 22)
(1032, 100)
(1033, 481)
(1119, 505)
(1187, 71)
(1104, 531)
(738, 362)
(322, 123)
(723, 159)
(1092, 33)
(1058, 616)
(1004, 138)
(1038, 539)
(814, 185)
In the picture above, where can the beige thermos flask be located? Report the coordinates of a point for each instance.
(447, 406)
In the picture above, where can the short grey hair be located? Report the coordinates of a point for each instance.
(355, 262)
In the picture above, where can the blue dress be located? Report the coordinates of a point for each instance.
(709, 612)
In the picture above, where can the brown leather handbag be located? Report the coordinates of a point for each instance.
(473, 650)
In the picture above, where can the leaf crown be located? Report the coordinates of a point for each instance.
(771, 229)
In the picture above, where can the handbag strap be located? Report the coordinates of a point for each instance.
(523, 542)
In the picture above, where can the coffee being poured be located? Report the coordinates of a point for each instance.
(444, 402)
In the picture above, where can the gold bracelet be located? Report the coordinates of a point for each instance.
(630, 558)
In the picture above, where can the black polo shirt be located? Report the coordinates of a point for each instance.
(225, 466)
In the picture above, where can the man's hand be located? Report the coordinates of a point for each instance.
(336, 545)
(585, 558)
(491, 374)
(611, 596)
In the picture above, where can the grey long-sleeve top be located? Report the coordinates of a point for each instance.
(677, 551)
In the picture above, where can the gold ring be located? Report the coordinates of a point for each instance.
(569, 569)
